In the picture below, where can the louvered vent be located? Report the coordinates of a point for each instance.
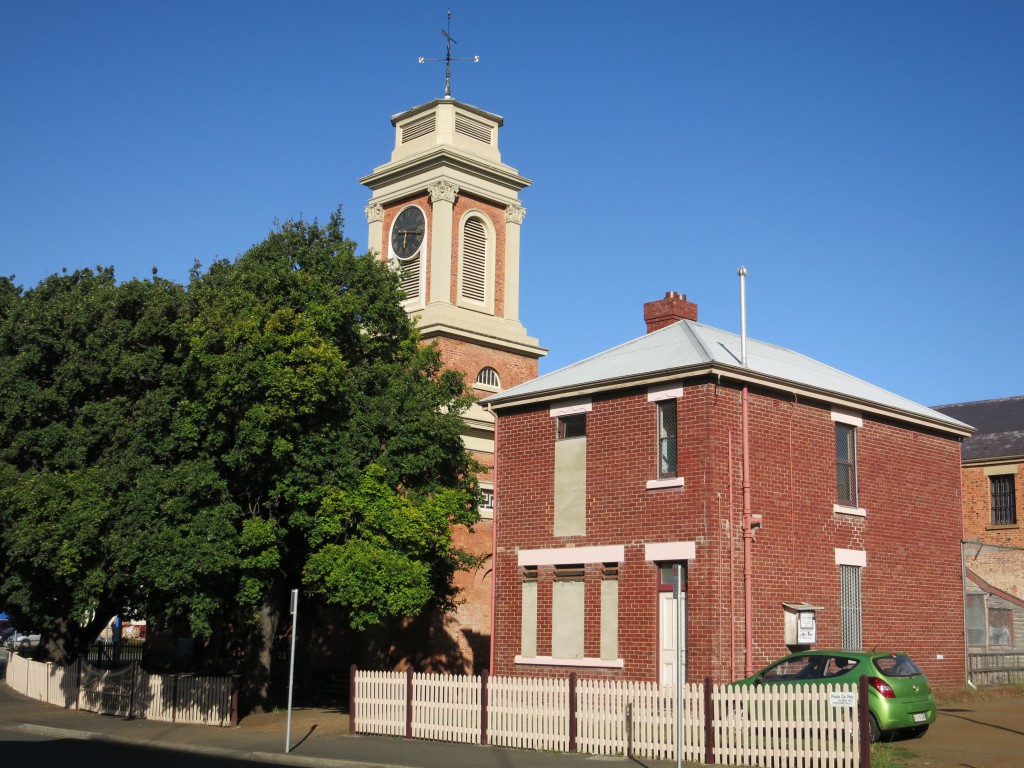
(421, 127)
(410, 277)
(473, 129)
(474, 261)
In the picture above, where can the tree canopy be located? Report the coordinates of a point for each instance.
(196, 451)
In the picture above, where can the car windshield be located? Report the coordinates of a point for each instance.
(896, 665)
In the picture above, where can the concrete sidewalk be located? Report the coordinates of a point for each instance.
(319, 738)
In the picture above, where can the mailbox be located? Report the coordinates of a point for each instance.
(801, 623)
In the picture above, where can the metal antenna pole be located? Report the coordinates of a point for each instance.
(448, 57)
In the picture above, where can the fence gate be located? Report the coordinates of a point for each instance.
(107, 691)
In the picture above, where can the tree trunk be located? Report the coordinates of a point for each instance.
(256, 693)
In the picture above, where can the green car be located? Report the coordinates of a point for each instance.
(899, 697)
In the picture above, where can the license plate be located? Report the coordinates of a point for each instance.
(920, 717)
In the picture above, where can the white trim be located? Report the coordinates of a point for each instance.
(854, 557)
(664, 392)
(668, 482)
(847, 417)
(551, 661)
(844, 510)
(566, 555)
(580, 405)
(671, 550)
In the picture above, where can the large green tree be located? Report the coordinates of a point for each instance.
(101, 512)
(308, 384)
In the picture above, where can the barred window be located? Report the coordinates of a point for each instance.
(846, 464)
(667, 443)
(572, 425)
(1004, 502)
(849, 577)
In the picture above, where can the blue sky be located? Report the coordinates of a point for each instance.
(864, 161)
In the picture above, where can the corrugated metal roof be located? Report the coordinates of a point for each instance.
(691, 345)
(999, 424)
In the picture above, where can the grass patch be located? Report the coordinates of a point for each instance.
(985, 693)
(890, 755)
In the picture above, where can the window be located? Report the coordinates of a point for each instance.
(667, 449)
(849, 579)
(473, 278)
(528, 620)
(488, 377)
(666, 577)
(486, 504)
(1000, 626)
(975, 620)
(609, 610)
(572, 425)
(846, 464)
(1004, 502)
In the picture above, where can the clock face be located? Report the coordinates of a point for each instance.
(407, 233)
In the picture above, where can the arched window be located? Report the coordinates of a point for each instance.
(488, 377)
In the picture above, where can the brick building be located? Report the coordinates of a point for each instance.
(613, 470)
(445, 213)
(993, 486)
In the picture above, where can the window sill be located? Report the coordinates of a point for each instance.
(854, 511)
(1010, 527)
(669, 482)
(551, 661)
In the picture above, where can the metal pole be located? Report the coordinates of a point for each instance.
(291, 671)
(677, 580)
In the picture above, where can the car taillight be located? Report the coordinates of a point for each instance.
(882, 687)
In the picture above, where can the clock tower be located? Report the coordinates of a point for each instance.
(445, 214)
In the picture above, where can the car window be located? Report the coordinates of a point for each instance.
(896, 665)
(839, 665)
(797, 668)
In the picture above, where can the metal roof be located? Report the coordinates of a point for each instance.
(691, 348)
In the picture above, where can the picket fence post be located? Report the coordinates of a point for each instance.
(864, 716)
(572, 711)
(483, 707)
(408, 703)
(352, 700)
(709, 722)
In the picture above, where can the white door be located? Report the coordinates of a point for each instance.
(667, 613)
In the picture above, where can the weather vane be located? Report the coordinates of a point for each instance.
(448, 57)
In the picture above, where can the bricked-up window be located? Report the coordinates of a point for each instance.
(567, 612)
(1004, 502)
(572, 425)
(667, 443)
(528, 619)
(846, 464)
(850, 606)
(609, 610)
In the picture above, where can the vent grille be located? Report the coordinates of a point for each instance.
(421, 127)
(409, 279)
(474, 261)
(473, 129)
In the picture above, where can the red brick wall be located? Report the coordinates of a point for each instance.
(909, 485)
(978, 509)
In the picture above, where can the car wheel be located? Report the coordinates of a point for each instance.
(873, 729)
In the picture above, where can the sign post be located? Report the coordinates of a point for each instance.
(677, 583)
(291, 671)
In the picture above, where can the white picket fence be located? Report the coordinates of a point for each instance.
(128, 692)
(799, 726)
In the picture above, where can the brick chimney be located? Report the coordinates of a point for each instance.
(673, 308)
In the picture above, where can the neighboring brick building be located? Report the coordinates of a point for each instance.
(993, 489)
(614, 469)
